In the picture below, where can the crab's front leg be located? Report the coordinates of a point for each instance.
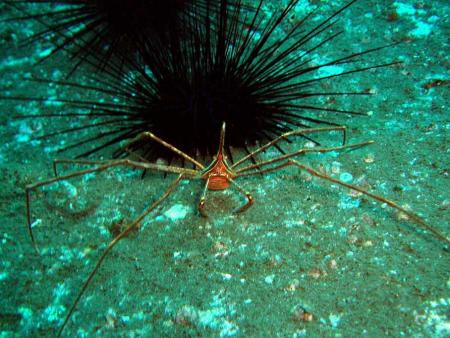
(247, 195)
(201, 203)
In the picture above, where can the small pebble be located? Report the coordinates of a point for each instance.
(299, 313)
(367, 244)
(336, 167)
(269, 279)
(370, 158)
(176, 212)
(332, 264)
(401, 216)
(295, 283)
(226, 276)
(316, 273)
(346, 177)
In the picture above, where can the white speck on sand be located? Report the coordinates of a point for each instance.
(435, 319)
(27, 316)
(330, 70)
(217, 317)
(404, 9)
(346, 177)
(269, 279)
(176, 212)
(334, 320)
(348, 202)
(3, 275)
(56, 310)
(422, 29)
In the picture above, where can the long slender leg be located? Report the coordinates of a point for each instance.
(149, 135)
(381, 199)
(242, 171)
(419, 221)
(111, 244)
(201, 203)
(141, 158)
(89, 162)
(247, 195)
(31, 187)
(102, 165)
(67, 161)
(292, 133)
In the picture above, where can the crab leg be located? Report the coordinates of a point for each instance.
(133, 225)
(103, 165)
(247, 195)
(419, 221)
(242, 171)
(292, 133)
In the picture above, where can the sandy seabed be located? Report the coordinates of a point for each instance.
(309, 259)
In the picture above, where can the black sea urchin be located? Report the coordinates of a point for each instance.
(230, 68)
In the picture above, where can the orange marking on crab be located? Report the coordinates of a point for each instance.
(218, 183)
(219, 175)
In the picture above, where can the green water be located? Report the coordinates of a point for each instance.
(355, 265)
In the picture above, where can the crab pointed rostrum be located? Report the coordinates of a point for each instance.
(104, 31)
(237, 66)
